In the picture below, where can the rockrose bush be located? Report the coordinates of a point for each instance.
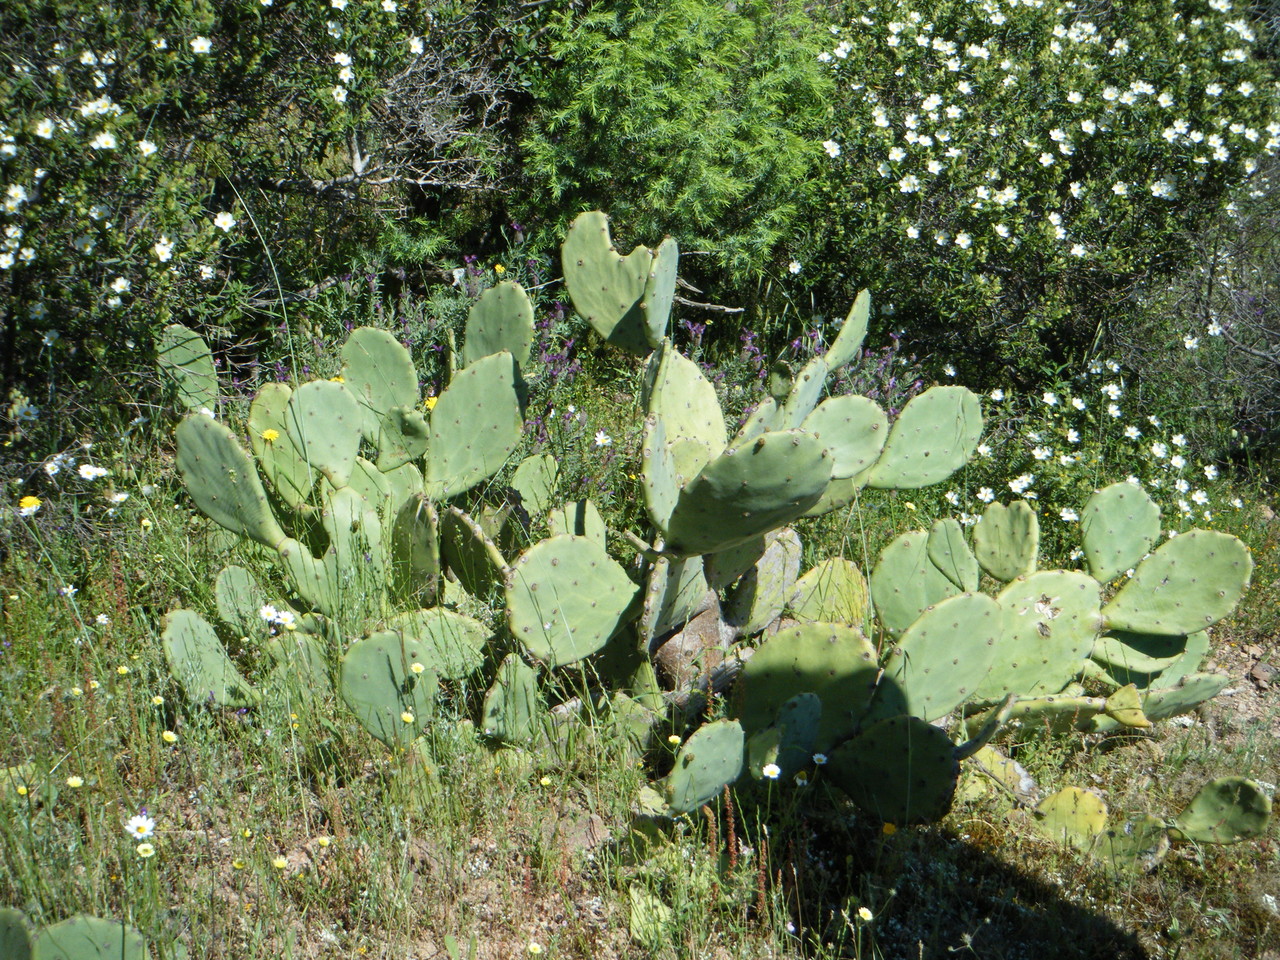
(207, 162)
(1008, 173)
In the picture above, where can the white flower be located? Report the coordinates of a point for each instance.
(268, 613)
(1132, 432)
(163, 249)
(102, 620)
(339, 94)
(146, 147)
(1214, 329)
(1191, 343)
(1050, 399)
(913, 232)
(342, 59)
(140, 827)
(104, 141)
(949, 370)
(206, 272)
(88, 471)
(201, 45)
(1073, 436)
(1113, 411)
(603, 439)
(1199, 497)
(986, 494)
(224, 221)
(121, 284)
(984, 449)
(832, 148)
(1210, 471)
(1177, 461)
(389, 6)
(416, 46)
(1159, 450)
(771, 770)
(1120, 188)
(44, 128)
(1111, 391)
(963, 240)
(1020, 484)
(794, 267)
(1041, 453)
(1068, 515)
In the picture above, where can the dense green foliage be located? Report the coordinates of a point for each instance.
(696, 118)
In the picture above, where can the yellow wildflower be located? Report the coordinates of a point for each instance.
(169, 737)
(499, 269)
(430, 403)
(270, 435)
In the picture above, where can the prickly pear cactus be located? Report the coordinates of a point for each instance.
(89, 938)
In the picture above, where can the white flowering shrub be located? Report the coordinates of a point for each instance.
(202, 161)
(1023, 166)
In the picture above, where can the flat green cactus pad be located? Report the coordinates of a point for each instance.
(900, 769)
(852, 430)
(566, 597)
(708, 762)
(943, 657)
(389, 682)
(1050, 622)
(502, 319)
(934, 436)
(761, 593)
(848, 342)
(15, 941)
(685, 400)
(324, 421)
(89, 938)
(281, 461)
(223, 482)
(1073, 816)
(513, 706)
(834, 591)
(1006, 540)
(1225, 810)
(1118, 525)
(1189, 583)
(905, 582)
(833, 661)
(184, 358)
(747, 491)
(201, 665)
(607, 288)
(475, 426)
(378, 372)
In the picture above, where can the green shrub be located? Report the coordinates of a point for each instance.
(1010, 175)
(695, 118)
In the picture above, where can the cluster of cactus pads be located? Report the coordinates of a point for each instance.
(356, 490)
(78, 938)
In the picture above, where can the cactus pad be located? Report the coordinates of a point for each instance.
(378, 372)
(943, 657)
(1189, 583)
(708, 761)
(852, 430)
(607, 288)
(222, 481)
(834, 662)
(1072, 815)
(201, 665)
(933, 437)
(565, 598)
(1050, 621)
(185, 359)
(512, 706)
(452, 643)
(905, 582)
(89, 938)
(848, 342)
(834, 591)
(761, 593)
(325, 422)
(1007, 539)
(747, 491)
(1225, 810)
(502, 319)
(900, 769)
(535, 481)
(949, 553)
(279, 458)
(475, 425)
(1118, 525)
(381, 683)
